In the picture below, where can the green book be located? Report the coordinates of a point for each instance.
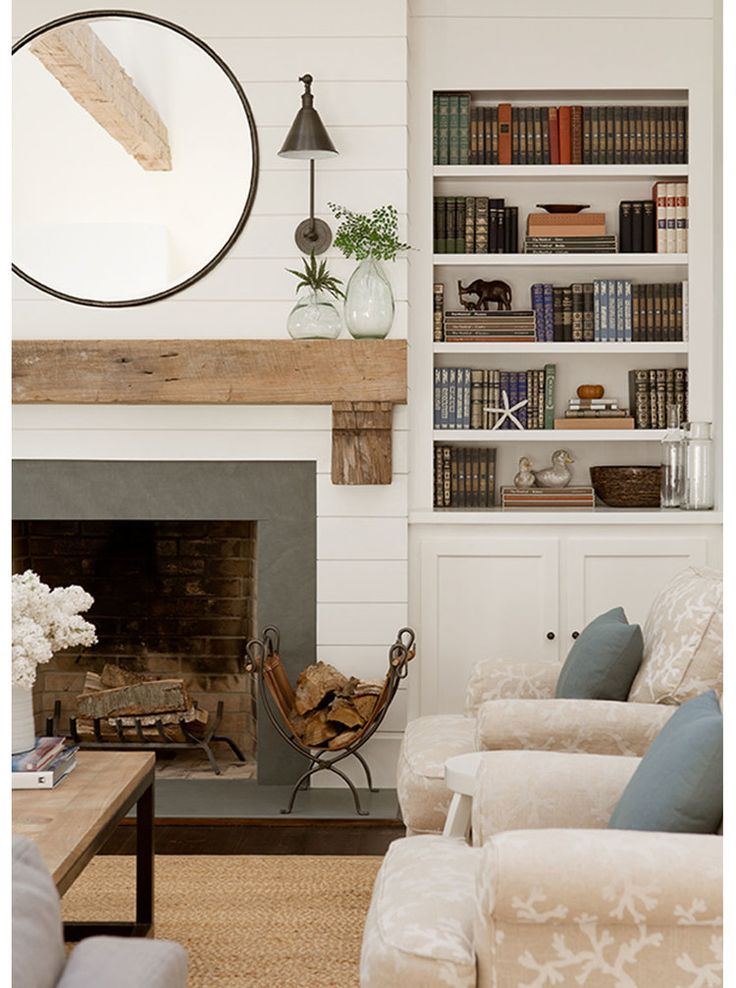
(440, 231)
(464, 129)
(443, 127)
(549, 395)
(436, 129)
(454, 129)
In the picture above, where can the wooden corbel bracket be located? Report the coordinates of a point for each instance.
(361, 379)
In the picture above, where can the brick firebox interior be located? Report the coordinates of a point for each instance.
(171, 599)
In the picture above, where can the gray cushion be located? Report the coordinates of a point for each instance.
(678, 785)
(114, 962)
(604, 660)
(38, 948)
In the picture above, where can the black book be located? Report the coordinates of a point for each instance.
(440, 224)
(460, 231)
(610, 152)
(511, 230)
(646, 138)
(500, 227)
(451, 225)
(635, 337)
(588, 313)
(624, 227)
(649, 218)
(594, 139)
(495, 206)
(567, 314)
(537, 120)
(557, 327)
(515, 135)
(587, 159)
(544, 113)
(666, 135)
(625, 135)
(523, 158)
(637, 227)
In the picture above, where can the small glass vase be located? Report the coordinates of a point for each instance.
(24, 729)
(369, 302)
(314, 317)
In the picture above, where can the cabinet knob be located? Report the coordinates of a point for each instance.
(575, 634)
(551, 635)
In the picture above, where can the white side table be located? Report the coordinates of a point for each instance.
(460, 774)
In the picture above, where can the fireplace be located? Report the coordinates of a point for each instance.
(185, 560)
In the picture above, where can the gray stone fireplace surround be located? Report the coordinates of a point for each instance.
(279, 495)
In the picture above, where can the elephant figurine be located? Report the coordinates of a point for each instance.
(487, 291)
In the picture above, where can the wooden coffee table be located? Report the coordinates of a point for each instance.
(71, 823)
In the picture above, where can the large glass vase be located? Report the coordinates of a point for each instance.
(369, 302)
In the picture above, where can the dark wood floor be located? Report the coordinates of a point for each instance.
(262, 837)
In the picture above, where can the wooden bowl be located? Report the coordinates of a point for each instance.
(561, 207)
(627, 487)
(591, 391)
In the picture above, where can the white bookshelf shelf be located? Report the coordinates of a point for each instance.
(558, 260)
(598, 516)
(617, 172)
(547, 435)
(569, 349)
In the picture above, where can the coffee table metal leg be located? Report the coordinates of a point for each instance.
(457, 823)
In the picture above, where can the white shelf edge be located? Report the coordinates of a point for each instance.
(559, 171)
(547, 435)
(598, 516)
(569, 349)
(559, 260)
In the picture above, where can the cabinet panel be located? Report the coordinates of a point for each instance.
(626, 572)
(483, 598)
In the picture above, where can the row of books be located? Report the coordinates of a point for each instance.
(471, 398)
(475, 225)
(45, 765)
(497, 326)
(651, 391)
(667, 214)
(610, 311)
(505, 134)
(464, 476)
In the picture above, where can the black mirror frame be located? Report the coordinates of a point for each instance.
(137, 15)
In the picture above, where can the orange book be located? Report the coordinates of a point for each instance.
(504, 133)
(565, 135)
(554, 137)
(535, 230)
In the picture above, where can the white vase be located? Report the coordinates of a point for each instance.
(24, 729)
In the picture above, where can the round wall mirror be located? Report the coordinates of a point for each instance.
(135, 158)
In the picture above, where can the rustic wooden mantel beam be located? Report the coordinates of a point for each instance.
(93, 76)
(360, 379)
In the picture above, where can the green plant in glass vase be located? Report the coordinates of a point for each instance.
(370, 238)
(315, 315)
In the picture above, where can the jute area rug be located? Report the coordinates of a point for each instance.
(266, 921)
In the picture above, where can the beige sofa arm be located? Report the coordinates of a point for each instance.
(604, 727)
(567, 907)
(516, 790)
(491, 679)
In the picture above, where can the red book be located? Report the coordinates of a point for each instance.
(565, 135)
(576, 130)
(504, 133)
(554, 137)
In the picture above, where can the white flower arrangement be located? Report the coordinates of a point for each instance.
(44, 621)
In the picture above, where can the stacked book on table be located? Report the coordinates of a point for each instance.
(568, 233)
(548, 498)
(595, 413)
(502, 326)
(464, 476)
(45, 766)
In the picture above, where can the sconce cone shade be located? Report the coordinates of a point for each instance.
(308, 137)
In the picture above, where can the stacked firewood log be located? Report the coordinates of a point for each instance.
(117, 696)
(330, 709)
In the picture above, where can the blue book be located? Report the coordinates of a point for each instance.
(549, 314)
(628, 322)
(620, 327)
(522, 394)
(465, 420)
(437, 421)
(504, 388)
(445, 398)
(597, 311)
(513, 395)
(604, 311)
(452, 398)
(538, 308)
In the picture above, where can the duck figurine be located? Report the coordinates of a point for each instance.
(525, 476)
(558, 475)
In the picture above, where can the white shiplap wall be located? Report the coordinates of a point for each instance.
(357, 55)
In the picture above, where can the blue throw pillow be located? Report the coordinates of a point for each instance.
(604, 660)
(678, 785)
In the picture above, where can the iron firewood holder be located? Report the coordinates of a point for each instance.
(264, 663)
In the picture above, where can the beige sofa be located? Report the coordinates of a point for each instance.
(511, 705)
(548, 896)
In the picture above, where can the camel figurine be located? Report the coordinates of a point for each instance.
(487, 291)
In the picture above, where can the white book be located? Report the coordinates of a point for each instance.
(671, 218)
(661, 216)
(681, 217)
(43, 779)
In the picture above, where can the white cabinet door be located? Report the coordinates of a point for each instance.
(483, 598)
(601, 573)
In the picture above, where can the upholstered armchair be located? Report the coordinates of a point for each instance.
(548, 895)
(512, 705)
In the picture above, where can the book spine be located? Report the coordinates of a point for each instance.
(549, 332)
(546, 150)
(538, 155)
(565, 124)
(639, 397)
(537, 299)
(681, 217)
(610, 134)
(469, 225)
(503, 389)
(441, 225)
(446, 476)
(625, 136)
(437, 417)
(454, 129)
(576, 331)
(597, 311)
(554, 136)
(628, 319)
(514, 135)
(588, 317)
(443, 136)
(614, 335)
(500, 227)
(587, 160)
(464, 129)
(685, 313)
(452, 402)
(624, 227)
(576, 131)
(649, 227)
(603, 311)
(460, 225)
(473, 157)
(666, 135)
(488, 135)
(659, 195)
(549, 395)
(646, 146)
(504, 133)
(523, 153)
(567, 315)
(438, 313)
(482, 225)
(594, 136)
(671, 218)
(444, 398)
(451, 212)
(557, 333)
(617, 136)
(637, 226)
(435, 129)
(494, 136)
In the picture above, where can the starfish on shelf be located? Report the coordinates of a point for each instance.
(507, 411)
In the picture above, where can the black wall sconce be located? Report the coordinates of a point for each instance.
(308, 138)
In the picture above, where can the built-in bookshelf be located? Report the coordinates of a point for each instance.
(603, 187)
